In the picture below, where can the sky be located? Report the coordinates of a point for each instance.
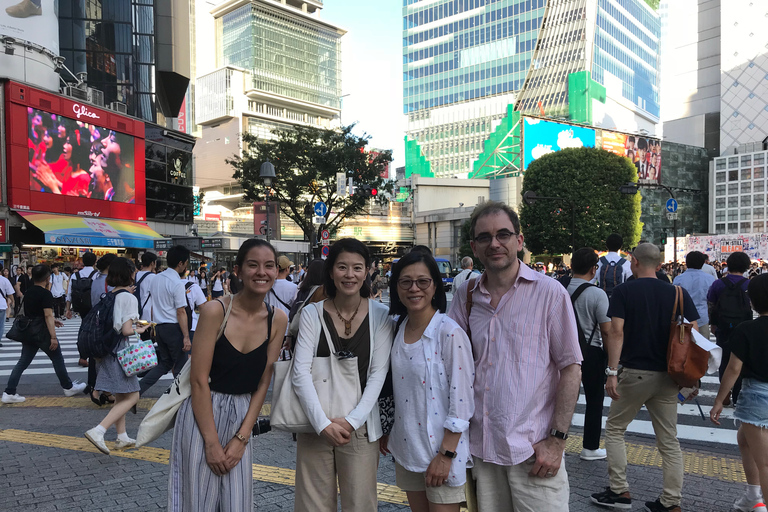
(372, 70)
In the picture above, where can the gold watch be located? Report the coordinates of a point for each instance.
(241, 437)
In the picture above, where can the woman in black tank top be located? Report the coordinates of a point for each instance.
(237, 341)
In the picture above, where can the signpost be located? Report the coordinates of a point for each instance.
(325, 251)
(341, 184)
(318, 220)
(325, 234)
(672, 205)
(163, 245)
(211, 243)
(321, 209)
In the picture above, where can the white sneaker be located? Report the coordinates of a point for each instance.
(97, 438)
(77, 387)
(598, 454)
(119, 444)
(13, 399)
(745, 504)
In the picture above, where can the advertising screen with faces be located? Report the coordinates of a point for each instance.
(75, 158)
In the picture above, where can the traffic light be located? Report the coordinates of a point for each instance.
(663, 239)
(367, 191)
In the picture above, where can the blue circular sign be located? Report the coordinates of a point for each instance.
(671, 205)
(326, 250)
(321, 209)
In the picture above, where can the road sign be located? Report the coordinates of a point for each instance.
(325, 234)
(320, 209)
(341, 184)
(318, 220)
(325, 242)
(672, 216)
(671, 205)
(325, 251)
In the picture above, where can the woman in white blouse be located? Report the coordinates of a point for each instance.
(346, 448)
(432, 374)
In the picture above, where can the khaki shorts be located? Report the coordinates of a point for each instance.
(416, 482)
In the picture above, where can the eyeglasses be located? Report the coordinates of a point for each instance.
(423, 284)
(502, 237)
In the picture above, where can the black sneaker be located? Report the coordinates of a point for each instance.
(656, 506)
(608, 498)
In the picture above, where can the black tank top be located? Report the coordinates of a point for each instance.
(235, 373)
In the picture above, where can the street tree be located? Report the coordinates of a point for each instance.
(306, 161)
(589, 178)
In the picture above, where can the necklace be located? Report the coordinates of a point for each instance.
(347, 323)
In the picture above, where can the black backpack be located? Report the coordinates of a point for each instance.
(583, 341)
(97, 337)
(137, 294)
(611, 274)
(80, 296)
(732, 307)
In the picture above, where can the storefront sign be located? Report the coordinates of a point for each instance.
(211, 243)
(82, 111)
(192, 243)
(6, 248)
(163, 245)
(3, 235)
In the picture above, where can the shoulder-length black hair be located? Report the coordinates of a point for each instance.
(314, 274)
(354, 246)
(120, 272)
(247, 246)
(439, 301)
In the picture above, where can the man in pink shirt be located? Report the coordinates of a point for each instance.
(527, 371)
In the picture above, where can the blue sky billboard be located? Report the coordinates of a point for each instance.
(542, 137)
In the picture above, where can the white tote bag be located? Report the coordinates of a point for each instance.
(162, 416)
(336, 381)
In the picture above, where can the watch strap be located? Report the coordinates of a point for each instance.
(449, 454)
(558, 434)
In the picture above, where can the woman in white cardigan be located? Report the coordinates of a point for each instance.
(346, 447)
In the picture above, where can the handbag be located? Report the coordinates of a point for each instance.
(336, 381)
(30, 331)
(137, 357)
(162, 416)
(686, 361)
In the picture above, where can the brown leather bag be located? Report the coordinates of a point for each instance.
(686, 361)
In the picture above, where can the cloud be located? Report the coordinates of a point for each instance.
(565, 139)
(541, 150)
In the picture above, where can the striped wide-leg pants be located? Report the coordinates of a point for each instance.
(192, 486)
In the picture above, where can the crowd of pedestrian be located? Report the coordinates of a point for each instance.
(477, 396)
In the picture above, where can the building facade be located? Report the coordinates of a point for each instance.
(738, 199)
(466, 61)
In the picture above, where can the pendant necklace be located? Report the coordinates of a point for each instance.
(347, 323)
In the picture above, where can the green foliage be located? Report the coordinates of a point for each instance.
(653, 3)
(590, 178)
(306, 161)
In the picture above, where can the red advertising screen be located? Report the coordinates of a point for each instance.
(72, 158)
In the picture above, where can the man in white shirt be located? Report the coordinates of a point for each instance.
(621, 266)
(195, 298)
(58, 291)
(7, 291)
(283, 292)
(87, 272)
(143, 282)
(709, 269)
(169, 311)
(466, 264)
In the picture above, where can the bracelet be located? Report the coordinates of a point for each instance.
(241, 437)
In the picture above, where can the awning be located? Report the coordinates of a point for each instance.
(90, 231)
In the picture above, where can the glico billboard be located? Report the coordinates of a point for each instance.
(72, 158)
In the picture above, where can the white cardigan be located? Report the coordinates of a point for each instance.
(367, 410)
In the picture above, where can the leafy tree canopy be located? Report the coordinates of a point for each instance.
(590, 178)
(306, 161)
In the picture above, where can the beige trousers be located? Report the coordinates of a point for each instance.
(512, 489)
(658, 392)
(318, 464)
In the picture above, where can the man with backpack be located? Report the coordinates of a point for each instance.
(79, 290)
(100, 286)
(728, 307)
(144, 279)
(195, 298)
(590, 304)
(283, 292)
(169, 312)
(612, 269)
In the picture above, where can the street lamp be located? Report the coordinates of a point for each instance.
(530, 199)
(632, 188)
(267, 173)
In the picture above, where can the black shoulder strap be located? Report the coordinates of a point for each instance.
(186, 286)
(575, 296)
(279, 299)
(270, 315)
(142, 278)
(90, 276)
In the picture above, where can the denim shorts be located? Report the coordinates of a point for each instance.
(752, 406)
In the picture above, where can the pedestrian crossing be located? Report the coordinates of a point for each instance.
(691, 426)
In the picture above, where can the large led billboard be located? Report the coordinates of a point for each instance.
(79, 158)
(35, 21)
(72, 158)
(542, 137)
(643, 152)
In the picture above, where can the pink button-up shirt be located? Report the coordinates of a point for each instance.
(519, 346)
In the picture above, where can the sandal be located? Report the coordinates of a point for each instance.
(105, 397)
(96, 400)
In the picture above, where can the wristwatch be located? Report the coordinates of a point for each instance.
(448, 453)
(560, 435)
(241, 437)
(611, 372)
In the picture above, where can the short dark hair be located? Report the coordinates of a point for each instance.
(250, 244)
(313, 275)
(614, 242)
(105, 261)
(120, 272)
(89, 259)
(758, 293)
(439, 301)
(176, 255)
(147, 259)
(421, 248)
(584, 260)
(489, 208)
(40, 273)
(738, 262)
(53, 267)
(695, 259)
(354, 246)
